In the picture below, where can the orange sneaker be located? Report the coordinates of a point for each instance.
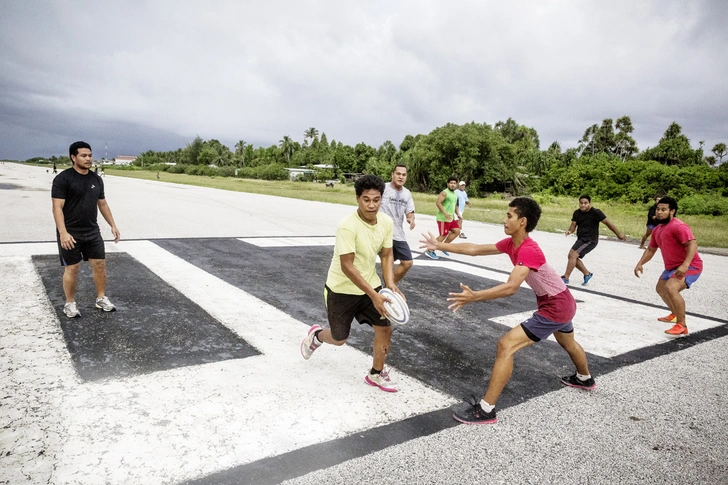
(677, 330)
(669, 319)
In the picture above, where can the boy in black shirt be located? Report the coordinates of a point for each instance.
(77, 193)
(586, 221)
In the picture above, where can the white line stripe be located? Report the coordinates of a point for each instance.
(272, 242)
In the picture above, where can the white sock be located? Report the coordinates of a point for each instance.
(583, 378)
(486, 407)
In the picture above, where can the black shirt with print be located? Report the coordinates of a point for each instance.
(81, 194)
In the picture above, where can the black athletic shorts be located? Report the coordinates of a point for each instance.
(342, 309)
(401, 251)
(87, 247)
(584, 246)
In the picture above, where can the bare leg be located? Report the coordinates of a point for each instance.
(325, 336)
(382, 339)
(70, 276)
(575, 351)
(452, 235)
(99, 268)
(669, 290)
(401, 269)
(580, 266)
(571, 264)
(509, 344)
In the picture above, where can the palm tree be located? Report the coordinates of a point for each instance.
(287, 148)
(311, 133)
(240, 150)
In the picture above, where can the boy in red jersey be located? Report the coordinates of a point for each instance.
(683, 265)
(556, 305)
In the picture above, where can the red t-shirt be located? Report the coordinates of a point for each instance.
(554, 299)
(671, 239)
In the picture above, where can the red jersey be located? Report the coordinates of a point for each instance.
(554, 299)
(671, 239)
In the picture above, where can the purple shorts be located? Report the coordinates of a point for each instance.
(691, 276)
(538, 327)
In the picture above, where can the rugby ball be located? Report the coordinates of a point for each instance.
(396, 306)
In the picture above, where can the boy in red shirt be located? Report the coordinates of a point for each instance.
(556, 305)
(683, 265)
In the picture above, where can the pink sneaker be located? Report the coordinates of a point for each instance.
(382, 381)
(310, 343)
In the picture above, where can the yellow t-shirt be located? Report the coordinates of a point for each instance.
(364, 240)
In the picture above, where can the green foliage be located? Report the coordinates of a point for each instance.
(703, 205)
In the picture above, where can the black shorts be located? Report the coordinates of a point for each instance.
(342, 309)
(87, 247)
(584, 246)
(401, 251)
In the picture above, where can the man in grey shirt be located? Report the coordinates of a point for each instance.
(397, 203)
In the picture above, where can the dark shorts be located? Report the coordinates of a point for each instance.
(538, 327)
(445, 227)
(691, 276)
(401, 251)
(584, 246)
(87, 247)
(342, 309)
(651, 226)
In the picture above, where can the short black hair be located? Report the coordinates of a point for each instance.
(585, 197)
(75, 146)
(672, 203)
(368, 182)
(528, 208)
(399, 165)
(451, 179)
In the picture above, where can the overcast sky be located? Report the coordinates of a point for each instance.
(141, 75)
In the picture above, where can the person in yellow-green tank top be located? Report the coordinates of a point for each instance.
(352, 285)
(447, 216)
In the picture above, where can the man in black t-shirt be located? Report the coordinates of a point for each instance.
(651, 222)
(77, 193)
(586, 221)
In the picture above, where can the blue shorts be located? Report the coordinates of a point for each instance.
(538, 327)
(691, 276)
(401, 251)
(651, 226)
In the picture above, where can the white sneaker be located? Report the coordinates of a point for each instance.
(382, 381)
(105, 305)
(310, 343)
(70, 310)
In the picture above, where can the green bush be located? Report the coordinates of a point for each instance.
(697, 204)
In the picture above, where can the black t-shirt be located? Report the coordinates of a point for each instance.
(651, 221)
(587, 223)
(82, 194)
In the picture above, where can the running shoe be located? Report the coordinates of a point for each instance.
(668, 319)
(573, 381)
(381, 380)
(463, 236)
(474, 414)
(565, 280)
(105, 305)
(677, 330)
(431, 255)
(446, 254)
(587, 278)
(310, 343)
(70, 310)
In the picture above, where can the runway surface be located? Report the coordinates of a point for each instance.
(197, 378)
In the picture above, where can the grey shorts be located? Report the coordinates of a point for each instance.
(538, 327)
(401, 251)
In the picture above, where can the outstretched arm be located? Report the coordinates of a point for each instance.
(510, 287)
(431, 243)
(613, 228)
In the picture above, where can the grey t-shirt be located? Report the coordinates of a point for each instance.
(396, 204)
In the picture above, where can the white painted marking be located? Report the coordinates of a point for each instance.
(275, 242)
(604, 326)
(187, 422)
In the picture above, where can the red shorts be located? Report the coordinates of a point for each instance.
(445, 227)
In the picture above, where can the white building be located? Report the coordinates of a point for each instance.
(124, 160)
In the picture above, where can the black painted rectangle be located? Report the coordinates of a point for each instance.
(155, 327)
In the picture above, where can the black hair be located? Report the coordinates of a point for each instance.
(585, 197)
(451, 179)
(672, 203)
(399, 165)
(528, 208)
(368, 182)
(75, 146)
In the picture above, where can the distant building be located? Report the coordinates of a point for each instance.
(294, 173)
(124, 160)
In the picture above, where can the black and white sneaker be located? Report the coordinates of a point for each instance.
(573, 381)
(474, 414)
